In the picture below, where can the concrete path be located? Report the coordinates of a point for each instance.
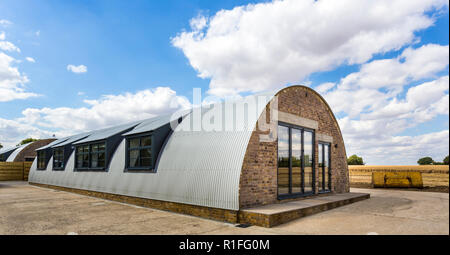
(26, 209)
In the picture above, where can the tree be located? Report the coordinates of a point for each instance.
(1, 146)
(446, 160)
(355, 160)
(28, 140)
(425, 161)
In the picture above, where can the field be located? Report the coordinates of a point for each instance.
(433, 176)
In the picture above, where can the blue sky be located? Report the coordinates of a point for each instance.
(133, 46)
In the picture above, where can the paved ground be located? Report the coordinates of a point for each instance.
(26, 209)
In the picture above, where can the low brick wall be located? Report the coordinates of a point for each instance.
(14, 171)
(195, 210)
(432, 175)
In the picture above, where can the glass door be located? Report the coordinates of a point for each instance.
(295, 161)
(283, 161)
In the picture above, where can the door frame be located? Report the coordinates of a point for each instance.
(302, 169)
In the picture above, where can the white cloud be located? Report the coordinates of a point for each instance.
(12, 81)
(380, 102)
(324, 87)
(267, 45)
(422, 103)
(30, 59)
(411, 65)
(77, 69)
(4, 22)
(107, 111)
(400, 150)
(13, 131)
(2, 35)
(8, 46)
(38, 33)
(361, 91)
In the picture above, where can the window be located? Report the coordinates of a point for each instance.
(295, 160)
(296, 155)
(324, 167)
(98, 155)
(41, 163)
(308, 159)
(139, 152)
(283, 160)
(91, 156)
(58, 158)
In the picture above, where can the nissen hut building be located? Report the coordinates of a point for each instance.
(214, 161)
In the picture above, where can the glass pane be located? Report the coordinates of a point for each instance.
(145, 153)
(101, 160)
(320, 170)
(79, 161)
(327, 166)
(134, 143)
(146, 162)
(41, 159)
(308, 159)
(101, 146)
(133, 156)
(283, 160)
(85, 160)
(146, 141)
(296, 160)
(94, 160)
(86, 148)
(94, 147)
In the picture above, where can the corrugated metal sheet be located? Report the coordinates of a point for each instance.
(153, 123)
(107, 132)
(199, 167)
(72, 139)
(16, 152)
(58, 141)
(5, 150)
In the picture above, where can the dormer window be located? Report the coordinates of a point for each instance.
(139, 153)
(58, 158)
(41, 160)
(90, 156)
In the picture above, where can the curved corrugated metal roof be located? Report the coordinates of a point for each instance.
(199, 167)
(5, 150)
(15, 152)
(71, 139)
(205, 165)
(107, 132)
(56, 142)
(150, 124)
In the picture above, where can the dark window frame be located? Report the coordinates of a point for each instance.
(302, 193)
(44, 159)
(89, 153)
(139, 169)
(326, 187)
(61, 168)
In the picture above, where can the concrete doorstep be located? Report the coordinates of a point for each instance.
(276, 214)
